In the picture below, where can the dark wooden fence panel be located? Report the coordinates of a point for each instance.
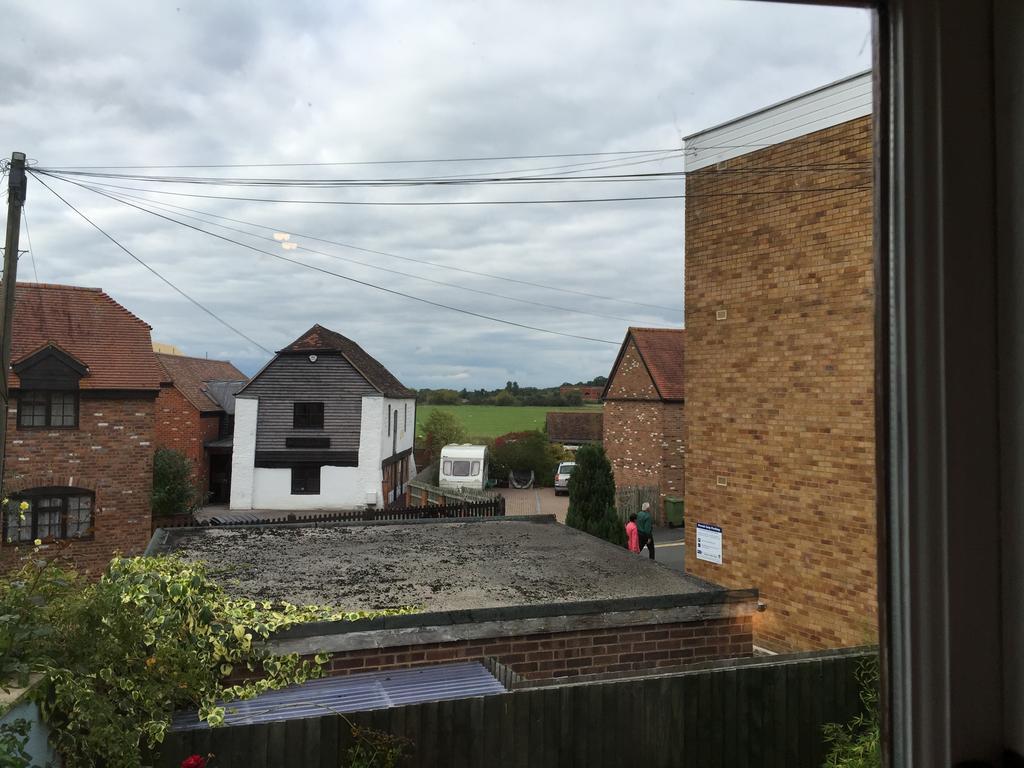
(489, 507)
(759, 715)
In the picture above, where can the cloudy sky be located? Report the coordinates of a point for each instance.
(200, 83)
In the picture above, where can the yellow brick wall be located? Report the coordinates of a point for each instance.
(779, 395)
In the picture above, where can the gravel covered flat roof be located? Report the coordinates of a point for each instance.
(434, 565)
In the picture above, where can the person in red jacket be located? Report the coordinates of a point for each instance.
(632, 535)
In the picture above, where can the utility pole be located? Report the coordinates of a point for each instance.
(15, 200)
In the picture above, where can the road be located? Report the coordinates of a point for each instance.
(668, 542)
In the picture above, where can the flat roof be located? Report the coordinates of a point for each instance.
(436, 565)
(814, 110)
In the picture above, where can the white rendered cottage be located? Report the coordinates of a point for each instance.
(322, 426)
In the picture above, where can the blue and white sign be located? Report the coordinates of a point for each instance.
(709, 543)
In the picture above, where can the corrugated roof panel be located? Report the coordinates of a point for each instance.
(356, 693)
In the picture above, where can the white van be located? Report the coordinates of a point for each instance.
(463, 466)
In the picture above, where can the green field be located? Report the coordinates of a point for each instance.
(494, 420)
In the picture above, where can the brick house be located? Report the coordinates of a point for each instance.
(644, 430)
(195, 415)
(83, 381)
(780, 363)
(590, 394)
(573, 428)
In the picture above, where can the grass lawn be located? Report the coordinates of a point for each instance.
(494, 420)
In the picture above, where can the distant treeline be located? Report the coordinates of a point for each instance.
(511, 394)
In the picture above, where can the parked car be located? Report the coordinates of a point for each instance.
(565, 469)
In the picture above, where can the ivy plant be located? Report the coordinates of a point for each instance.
(152, 636)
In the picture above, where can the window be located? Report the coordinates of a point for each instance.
(460, 469)
(306, 480)
(389, 419)
(308, 416)
(405, 417)
(43, 408)
(49, 513)
(447, 467)
(476, 468)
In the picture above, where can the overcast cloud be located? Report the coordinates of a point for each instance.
(198, 82)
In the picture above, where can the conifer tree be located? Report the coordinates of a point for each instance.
(592, 496)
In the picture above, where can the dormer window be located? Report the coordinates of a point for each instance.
(48, 391)
(42, 408)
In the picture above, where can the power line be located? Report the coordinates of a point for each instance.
(379, 162)
(385, 269)
(417, 203)
(99, 229)
(463, 180)
(591, 165)
(347, 277)
(425, 262)
(28, 235)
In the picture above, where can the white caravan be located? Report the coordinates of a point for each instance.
(463, 466)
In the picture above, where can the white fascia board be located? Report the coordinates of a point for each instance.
(815, 110)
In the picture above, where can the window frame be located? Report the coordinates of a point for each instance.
(65, 494)
(305, 417)
(950, 366)
(48, 394)
(312, 471)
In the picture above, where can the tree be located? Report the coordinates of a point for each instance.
(592, 496)
(440, 429)
(525, 452)
(574, 398)
(444, 397)
(505, 398)
(174, 486)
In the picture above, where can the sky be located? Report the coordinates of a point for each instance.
(230, 83)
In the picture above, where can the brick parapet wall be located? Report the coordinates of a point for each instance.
(111, 454)
(780, 397)
(181, 427)
(576, 652)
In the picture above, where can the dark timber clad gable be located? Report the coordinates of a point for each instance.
(291, 378)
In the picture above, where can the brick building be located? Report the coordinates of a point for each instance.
(780, 363)
(644, 430)
(194, 415)
(84, 380)
(589, 393)
(573, 428)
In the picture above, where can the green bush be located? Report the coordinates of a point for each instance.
(592, 496)
(440, 429)
(858, 744)
(525, 452)
(174, 486)
(152, 636)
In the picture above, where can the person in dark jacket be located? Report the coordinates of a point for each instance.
(645, 529)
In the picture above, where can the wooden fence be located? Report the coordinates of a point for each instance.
(629, 498)
(491, 507)
(754, 713)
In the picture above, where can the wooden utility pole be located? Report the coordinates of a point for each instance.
(15, 200)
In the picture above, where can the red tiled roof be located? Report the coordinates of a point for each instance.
(575, 426)
(663, 351)
(91, 327)
(320, 339)
(190, 374)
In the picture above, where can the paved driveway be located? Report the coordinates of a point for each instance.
(535, 501)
